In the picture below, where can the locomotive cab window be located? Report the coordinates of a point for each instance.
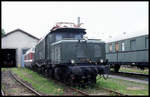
(77, 36)
(58, 37)
(116, 46)
(68, 35)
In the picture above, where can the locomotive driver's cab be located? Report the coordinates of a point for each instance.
(65, 35)
(62, 31)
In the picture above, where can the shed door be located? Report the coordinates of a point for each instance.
(8, 57)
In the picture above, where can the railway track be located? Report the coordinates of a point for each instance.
(82, 92)
(87, 94)
(111, 91)
(25, 85)
(73, 89)
(2, 93)
(115, 92)
(130, 74)
(79, 91)
(38, 94)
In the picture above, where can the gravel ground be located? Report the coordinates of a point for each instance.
(11, 87)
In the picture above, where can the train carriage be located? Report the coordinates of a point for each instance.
(29, 57)
(132, 51)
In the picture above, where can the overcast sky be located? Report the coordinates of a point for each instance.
(103, 20)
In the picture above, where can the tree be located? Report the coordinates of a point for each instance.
(3, 32)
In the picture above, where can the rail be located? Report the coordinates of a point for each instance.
(116, 92)
(82, 92)
(21, 82)
(130, 73)
(79, 91)
(2, 93)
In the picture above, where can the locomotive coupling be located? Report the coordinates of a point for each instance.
(88, 71)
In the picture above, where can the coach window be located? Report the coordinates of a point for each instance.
(146, 42)
(132, 44)
(110, 47)
(117, 46)
(122, 46)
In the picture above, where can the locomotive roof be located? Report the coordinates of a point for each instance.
(69, 29)
(82, 40)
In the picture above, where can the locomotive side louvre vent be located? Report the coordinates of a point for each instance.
(146, 42)
(57, 54)
(80, 52)
(97, 51)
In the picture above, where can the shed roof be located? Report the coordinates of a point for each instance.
(22, 32)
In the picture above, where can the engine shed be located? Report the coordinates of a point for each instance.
(14, 44)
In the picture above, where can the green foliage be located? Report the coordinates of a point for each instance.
(135, 70)
(3, 32)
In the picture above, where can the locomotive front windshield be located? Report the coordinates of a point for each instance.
(68, 35)
(58, 37)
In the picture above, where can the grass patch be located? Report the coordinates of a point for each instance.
(38, 82)
(123, 86)
(46, 86)
(134, 70)
(3, 69)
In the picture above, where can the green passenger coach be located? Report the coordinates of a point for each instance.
(131, 51)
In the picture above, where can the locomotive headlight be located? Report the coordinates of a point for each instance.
(133, 63)
(72, 61)
(101, 60)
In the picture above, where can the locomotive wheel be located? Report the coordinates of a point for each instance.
(39, 70)
(93, 80)
(42, 70)
(51, 73)
(57, 73)
(140, 67)
(61, 74)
